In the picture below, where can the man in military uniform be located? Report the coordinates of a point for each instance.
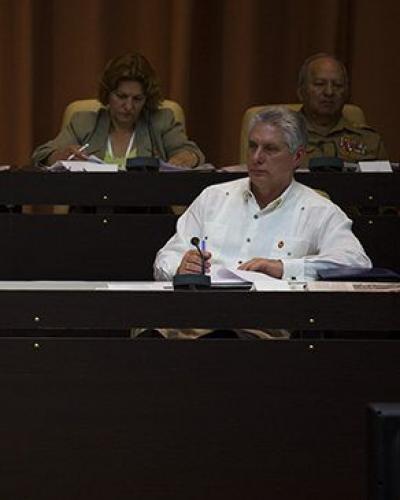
(323, 89)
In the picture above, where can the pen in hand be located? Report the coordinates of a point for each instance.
(203, 251)
(82, 148)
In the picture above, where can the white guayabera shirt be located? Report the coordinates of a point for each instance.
(303, 229)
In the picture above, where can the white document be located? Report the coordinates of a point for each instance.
(242, 167)
(169, 167)
(95, 159)
(375, 166)
(83, 166)
(262, 282)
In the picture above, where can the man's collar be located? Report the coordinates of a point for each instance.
(279, 201)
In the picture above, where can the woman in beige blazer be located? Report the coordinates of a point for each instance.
(130, 123)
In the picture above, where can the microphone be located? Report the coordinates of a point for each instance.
(196, 243)
(193, 281)
(143, 164)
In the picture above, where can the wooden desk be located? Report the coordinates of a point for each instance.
(137, 189)
(99, 309)
(217, 420)
(222, 420)
(114, 246)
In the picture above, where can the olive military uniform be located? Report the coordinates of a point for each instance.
(345, 140)
(352, 143)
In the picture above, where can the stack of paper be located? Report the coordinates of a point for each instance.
(92, 165)
(261, 282)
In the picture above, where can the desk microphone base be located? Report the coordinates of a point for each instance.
(191, 281)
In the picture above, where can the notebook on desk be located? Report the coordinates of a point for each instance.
(358, 274)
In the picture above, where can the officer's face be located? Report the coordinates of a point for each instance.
(270, 163)
(324, 92)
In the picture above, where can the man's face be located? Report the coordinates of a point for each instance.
(324, 92)
(269, 161)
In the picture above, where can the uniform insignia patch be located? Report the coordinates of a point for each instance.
(349, 146)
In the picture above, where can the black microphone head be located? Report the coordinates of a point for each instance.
(195, 241)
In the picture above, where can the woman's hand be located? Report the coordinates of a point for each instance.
(184, 158)
(66, 153)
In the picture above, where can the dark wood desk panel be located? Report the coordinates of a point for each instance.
(349, 189)
(82, 247)
(107, 189)
(137, 189)
(55, 309)
(85, 246)
(123, 247)
(380, 236)
(151, 420)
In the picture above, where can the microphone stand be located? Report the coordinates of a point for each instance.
(193, 281)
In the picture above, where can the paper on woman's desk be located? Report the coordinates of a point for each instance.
(169, 167)
(261, 281)
(94, 164)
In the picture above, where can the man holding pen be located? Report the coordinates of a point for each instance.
(268, 222)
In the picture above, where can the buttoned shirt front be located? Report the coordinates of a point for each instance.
(304, 230)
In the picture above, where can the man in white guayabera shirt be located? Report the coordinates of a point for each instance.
(268, 222)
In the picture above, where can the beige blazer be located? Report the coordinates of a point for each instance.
(160, 136)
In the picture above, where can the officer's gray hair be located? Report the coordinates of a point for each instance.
(303, 73)
(291, 124)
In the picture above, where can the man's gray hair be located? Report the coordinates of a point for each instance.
(291, 124)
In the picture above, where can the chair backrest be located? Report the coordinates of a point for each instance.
(94, 105)
(351, 112)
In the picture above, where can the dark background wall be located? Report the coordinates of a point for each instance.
(216, 57)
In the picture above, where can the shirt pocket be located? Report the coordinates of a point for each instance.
(290, 248)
